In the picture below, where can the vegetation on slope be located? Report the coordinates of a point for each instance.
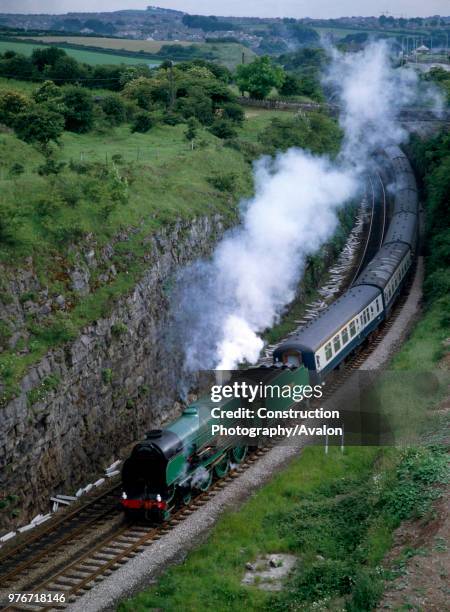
(83, 169)
(338, 512)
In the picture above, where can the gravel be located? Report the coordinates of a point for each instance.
(144, 569)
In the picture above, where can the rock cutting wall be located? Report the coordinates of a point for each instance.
(101, 392)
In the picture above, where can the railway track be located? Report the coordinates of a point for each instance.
(377, 226)
(79, 572)
(58, 533)
(82, 573)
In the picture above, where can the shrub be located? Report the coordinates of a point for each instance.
(143, 122)
(47, 92)
(39, 125)
(5, 332)
(50, 166)
(12, 103)
(16, 169)
(114, 109)
(107, 376)
(118, 329)
(9, 225)
(139, 91)
(192, 128)
(234, 112)
(172, 118)
(79, 112)
(223, 182)
(222, 128)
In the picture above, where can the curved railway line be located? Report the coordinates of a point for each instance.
(81, 574)
(44, 561)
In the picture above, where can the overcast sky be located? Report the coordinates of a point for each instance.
(261, 8)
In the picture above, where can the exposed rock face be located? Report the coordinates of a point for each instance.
(104, 390)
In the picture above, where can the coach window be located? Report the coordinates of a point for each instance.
(318, 361)
(344, 336)
(336, 343)
(352, 329)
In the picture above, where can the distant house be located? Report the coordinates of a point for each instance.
(422, 49)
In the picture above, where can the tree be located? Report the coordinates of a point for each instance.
(17, 66)
(46, 56)
(197, 105)
(114, 109)
(66, 70)
(259, 77)
(47, 92)
(303, 35)
(140, 91)
(12, 103)
(79, 111)
(291, 86)
(39, 126)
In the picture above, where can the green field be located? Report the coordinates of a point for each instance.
(229, 54)
(118, 44)
(89, 57)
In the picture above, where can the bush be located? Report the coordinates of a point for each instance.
(39, 126)
(9, 225)
(223, 182)
(172, 118)
(139, 91)
(192, 128)
(197, 104)
(16, 169)
(114, 109)
(47, 92)
(5, 332)
(143, 122)
(51, 166)
(234, 112)
(12, 103)
(79, 112)
(223, 128)
(366, 592)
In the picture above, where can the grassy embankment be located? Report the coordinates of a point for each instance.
(337, 512)
(111, 180)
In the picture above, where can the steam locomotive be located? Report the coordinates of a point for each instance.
(166, 468)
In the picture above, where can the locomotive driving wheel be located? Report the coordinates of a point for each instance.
(221, 468)
(238, 454)
(206, 481)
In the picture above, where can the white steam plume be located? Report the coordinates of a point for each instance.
(222, 305)
(372, 94)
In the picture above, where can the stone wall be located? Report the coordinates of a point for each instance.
(102, 391)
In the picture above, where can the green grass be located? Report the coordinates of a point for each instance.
(167, 181)
(210, 578)
(343, 507)
(89, 57)
(426, 344)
